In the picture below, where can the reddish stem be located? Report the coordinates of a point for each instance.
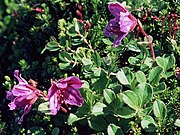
(148, 39)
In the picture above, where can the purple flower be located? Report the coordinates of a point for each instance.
(122, 24)
(22, 95)
(65, 91)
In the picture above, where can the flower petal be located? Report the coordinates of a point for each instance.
(73, 97)
(54, 104)
(126, 23)
(26, 110)
(119, 39)
(20, 79)
(115, 8)
(9, 95)
(52, 90)
(112, 28)
(73, 81)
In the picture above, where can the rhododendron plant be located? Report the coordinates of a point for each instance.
(65, 92)
(122, 24)
(23, 95)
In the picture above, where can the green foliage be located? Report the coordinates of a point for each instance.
(125, 91)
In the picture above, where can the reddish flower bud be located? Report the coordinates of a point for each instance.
(172, 15)
(175, 16)
(163, 18)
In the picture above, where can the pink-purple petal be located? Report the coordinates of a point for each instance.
(121, 25)
(73, 81)
(18, 77)
(52, 90)
(115, 8)
(27, 108)
(54, 104)
(73, 97)
(118, 40)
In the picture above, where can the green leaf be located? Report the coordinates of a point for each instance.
(96, 59)
(131, 99)
(97, 123)
(36, 131)
(144, 92)
(109, 95)
(44, 108)
(122, 78)
(53, 46)
(101, 83)
(166, 62)
(72, 118)
(167, 74)
(134, 61)
(55, 131)
(107, 41)
(98, 108)
(86, 61)
(114, 130)
(125, 76)
(177, 123)
(160, 88)
(140, 76)
(148, 124)
(154, 75)
(64, 65)
(159, 109)
(65, 57)
(125, 112)
(147, 65)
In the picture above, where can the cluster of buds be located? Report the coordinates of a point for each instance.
(86, 23)
(173, 25)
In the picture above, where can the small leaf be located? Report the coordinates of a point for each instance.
(140, 76)
(144, 92)
(53, 46)
(109, 95)
(131, 99)
(134, 61)
(160, 88)
(98, 109)
(65, 57)
(159, 109)
(177, 123)
(107, 41)
(64, 65)
(72, 118)
(154, 75)
(44, 108)
(122, 77)
(96, 59)
(114, 130)
(148, 124)
(86, 61)
(166, 62)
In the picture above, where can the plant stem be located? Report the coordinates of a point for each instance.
(148, 39)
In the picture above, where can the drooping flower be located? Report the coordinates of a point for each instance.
(22, 95)
(65, 91)
(122, 24)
